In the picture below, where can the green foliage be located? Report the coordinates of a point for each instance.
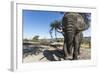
(54, 26)
(35, 38)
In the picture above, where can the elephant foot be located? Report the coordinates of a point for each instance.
(75, 59)
(79, 53)
(66, 58)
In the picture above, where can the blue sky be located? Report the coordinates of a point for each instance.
(38, 23)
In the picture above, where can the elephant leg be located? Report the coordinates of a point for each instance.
(80, 40)
(79, 49)
(70, 48)
(65, 51)
(68, 45)
(76, 47)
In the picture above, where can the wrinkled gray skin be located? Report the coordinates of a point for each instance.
(72, 24)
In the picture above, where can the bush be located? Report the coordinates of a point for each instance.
(44, 42)
(35, 38)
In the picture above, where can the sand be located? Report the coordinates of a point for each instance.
(53, 54)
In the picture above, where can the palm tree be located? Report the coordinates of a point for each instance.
(56, 26)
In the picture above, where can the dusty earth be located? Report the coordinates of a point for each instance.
(47, 53)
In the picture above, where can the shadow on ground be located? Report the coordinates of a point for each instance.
(50, 55)
(53, 55)
(31, 51)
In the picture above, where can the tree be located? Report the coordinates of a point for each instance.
(35, 38)
(56, 26)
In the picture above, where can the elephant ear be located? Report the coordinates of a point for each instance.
(81, 24)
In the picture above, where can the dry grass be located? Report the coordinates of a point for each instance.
(85, 46)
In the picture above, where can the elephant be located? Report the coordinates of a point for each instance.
(73, 25)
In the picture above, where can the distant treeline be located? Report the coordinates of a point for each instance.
(85, 40)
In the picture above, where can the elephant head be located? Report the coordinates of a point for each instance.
(76, 20)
